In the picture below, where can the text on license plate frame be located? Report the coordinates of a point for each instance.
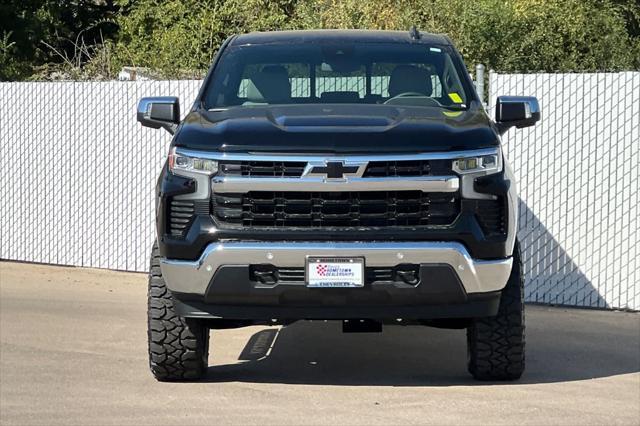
(330, 264)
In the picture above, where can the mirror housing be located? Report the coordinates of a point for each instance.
(160, 111)
(518, 111)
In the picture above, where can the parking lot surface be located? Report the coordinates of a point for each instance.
(73, 351)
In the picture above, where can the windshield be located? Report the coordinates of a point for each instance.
(364, 73)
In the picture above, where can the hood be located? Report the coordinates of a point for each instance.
(340, 129)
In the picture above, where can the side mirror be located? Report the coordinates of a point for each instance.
(518, 111)
(161, 111)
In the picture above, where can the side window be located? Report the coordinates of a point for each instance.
(249, 71)
(437, 86)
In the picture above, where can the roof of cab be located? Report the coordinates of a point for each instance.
(329, 36)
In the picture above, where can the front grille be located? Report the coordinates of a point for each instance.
(373, 169)
(491, 215)
(262, 168)
(269, 274)
(408, 168)
(336, 209)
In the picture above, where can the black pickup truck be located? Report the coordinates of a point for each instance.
(336, 175)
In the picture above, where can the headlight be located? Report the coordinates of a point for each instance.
(179, 162)
(485, 163)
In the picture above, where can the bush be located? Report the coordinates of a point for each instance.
(42, 33)
(508, 36)
(179, 38)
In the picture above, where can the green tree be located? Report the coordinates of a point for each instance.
(177, 37)
(38, 32)
(509, 36)
(10, 67)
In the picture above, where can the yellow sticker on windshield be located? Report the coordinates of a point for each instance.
(455, 98)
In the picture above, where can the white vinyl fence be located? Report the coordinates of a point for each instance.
(78, 171)
(578, 177)
(78, 176)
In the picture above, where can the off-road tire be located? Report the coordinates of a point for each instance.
(178, 347)
(495, 345)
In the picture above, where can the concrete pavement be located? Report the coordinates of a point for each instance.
(73, 351)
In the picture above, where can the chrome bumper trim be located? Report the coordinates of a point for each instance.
(223, 184)
(477, 276)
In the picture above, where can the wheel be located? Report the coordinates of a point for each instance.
(178, 347)
(495, 345)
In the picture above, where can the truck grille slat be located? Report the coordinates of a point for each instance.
(181, 214)
(408, 168)
(491, 215)
(404, 168)
(336, 209)
(262, 168)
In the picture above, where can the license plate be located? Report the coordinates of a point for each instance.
(335, 272)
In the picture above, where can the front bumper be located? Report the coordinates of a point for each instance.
(221, 274)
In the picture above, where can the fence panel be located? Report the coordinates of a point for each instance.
(578, 179)
(79, 171)
(66, 147)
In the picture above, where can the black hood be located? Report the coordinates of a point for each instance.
(336, 129)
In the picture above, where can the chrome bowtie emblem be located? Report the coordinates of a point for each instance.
(335, 170)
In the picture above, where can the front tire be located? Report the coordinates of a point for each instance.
(496, 344)
(178, 347)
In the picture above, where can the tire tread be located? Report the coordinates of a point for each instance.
(178, 347)
(496, 344)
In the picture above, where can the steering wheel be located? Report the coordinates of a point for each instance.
(425, 101)
(405, 95)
